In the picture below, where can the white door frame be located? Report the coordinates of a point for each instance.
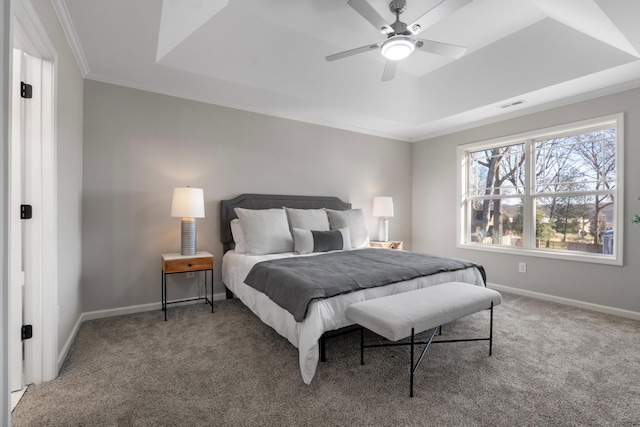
(14, 234)
(5, 129)
(40, 306)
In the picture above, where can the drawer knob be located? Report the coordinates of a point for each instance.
(190, 265)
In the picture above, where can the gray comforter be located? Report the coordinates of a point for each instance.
(293, 283)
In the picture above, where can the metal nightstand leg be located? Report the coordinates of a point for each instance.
(206, 298)
(164, 295)
(211, 289)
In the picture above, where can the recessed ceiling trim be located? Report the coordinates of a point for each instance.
(179, 19)
(587, 17)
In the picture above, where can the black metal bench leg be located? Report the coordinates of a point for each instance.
(362, 345)
(411, 368)
(491, 330)
(424, 351)
(323, 351)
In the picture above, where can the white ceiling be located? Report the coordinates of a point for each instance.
(268, 56)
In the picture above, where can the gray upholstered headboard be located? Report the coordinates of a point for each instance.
(267, 201)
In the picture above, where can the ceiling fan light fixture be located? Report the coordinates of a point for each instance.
(397, 47)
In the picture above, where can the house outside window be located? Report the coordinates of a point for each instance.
(554, 193)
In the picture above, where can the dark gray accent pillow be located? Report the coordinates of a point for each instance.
(308, 241)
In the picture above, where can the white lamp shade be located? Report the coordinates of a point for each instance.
(383, 206)
(188, 202)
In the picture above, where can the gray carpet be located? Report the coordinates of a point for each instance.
(552, 365)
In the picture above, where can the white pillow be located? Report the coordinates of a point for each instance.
(354, 220)
(308, 219)
(266, 231)
(307, 241)
(238, 236)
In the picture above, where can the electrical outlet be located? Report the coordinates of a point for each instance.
(522, 267)
(191, 275)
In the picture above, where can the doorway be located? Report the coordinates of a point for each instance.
(32, 242)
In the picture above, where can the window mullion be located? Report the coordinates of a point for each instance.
(464, 211)
(529, 209)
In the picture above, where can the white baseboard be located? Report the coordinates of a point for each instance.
(67, 345)
(567, 301)
(113, 312)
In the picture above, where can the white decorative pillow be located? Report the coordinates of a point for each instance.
(354, 220)
(307, 241)
(266, 231)
(238, 236)
(308, 219)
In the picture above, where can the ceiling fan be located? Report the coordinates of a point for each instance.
(400, 41)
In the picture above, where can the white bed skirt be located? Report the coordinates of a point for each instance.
(323, 315)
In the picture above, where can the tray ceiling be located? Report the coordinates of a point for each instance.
(268, 56)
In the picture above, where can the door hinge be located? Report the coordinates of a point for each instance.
(26, 212)
(26, 90)
(27, 332)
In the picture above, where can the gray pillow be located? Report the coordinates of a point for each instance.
(354, 220)
(266, 231)
(308, 219)
(307, 241)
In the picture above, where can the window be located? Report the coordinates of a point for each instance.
(554, 192)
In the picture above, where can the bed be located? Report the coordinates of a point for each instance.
(322, 316)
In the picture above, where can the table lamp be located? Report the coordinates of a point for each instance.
(188, 203)
(383, 208)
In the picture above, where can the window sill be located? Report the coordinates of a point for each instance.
(545, 253)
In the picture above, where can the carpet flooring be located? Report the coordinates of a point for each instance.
(552, 365)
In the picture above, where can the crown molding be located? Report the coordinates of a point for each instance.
(72, 37)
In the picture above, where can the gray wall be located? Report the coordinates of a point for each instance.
(69, 86)
(138, 146)
(434, 209)
(5, 412)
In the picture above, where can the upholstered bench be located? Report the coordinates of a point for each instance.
(404, 315)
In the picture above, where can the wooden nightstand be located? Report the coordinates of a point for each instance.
(389, 245)
(176, 263)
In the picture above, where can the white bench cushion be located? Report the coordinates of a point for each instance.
(393, 316)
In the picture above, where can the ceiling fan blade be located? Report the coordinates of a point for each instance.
(435, 14)
(370, 14)
(389, 70)
(352, 52)
(439, 48)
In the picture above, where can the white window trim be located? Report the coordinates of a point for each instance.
(616, 120)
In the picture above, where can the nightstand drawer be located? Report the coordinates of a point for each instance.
(189, 264)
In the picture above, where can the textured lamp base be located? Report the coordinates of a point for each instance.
(188, 240)
(383, 229)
